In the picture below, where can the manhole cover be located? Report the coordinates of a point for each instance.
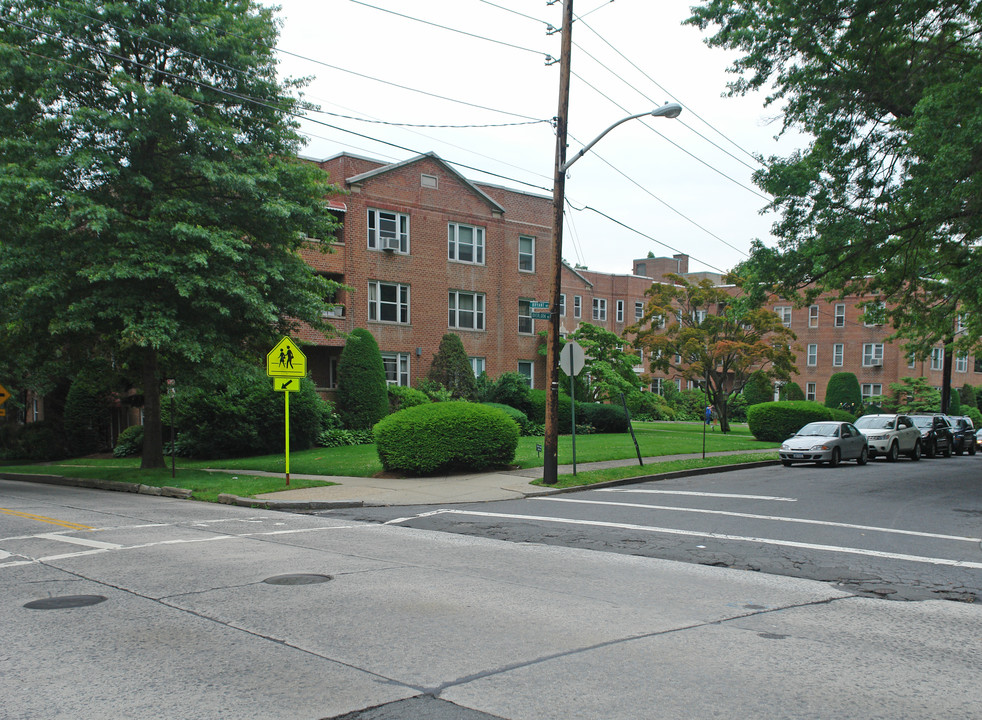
(297, 579)
(64, 601)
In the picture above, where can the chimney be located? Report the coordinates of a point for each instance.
(683, 263)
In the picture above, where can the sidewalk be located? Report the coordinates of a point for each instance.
(450, 489)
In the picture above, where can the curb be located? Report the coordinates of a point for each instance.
(113, 485)
(228, 499)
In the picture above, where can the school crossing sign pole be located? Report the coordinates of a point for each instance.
(287, 365)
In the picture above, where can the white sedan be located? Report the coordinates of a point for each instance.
(825, 442)
(891, 435)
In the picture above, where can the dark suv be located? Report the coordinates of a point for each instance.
(936, 435)
(963, 432)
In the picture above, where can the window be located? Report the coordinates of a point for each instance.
(812, 355)
(638, 310)
(810, 392)
(813, 316)
(961, 363)
(911, 361)
(388, 302)
(526, 254)
(388, 226)
(396, 368)
(527, 368)
(525, 325)
(429, 181)
(937, 358)
(657, 387)
(577, 306)
(837, 351)
(332, 373)
(477, 365)
(620, 311)
(562, 305)
(840, 314)
(872, 354)
(784, 312)
(698, 316)
(465, 244)
(871, 390)
(873, 314)
(466, 310)
(599, 309)
(978, 365)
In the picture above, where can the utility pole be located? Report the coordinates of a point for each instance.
(551, 440)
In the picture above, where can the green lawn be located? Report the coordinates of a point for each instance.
(654, 439)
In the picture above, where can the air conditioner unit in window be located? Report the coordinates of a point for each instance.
(390, 244)
(876, 363)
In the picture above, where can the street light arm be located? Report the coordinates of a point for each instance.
(669, 110)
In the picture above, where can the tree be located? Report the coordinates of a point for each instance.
(716, 339)
(153, 202)
(843, 392)
(608, 367)
(363, 397)
(885, 201)
(452, 368)
(915, 395)
(968, 397)
(791, 391)
(758, 389)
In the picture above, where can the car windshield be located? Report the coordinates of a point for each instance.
(873, 422)
(820, 430)
(923, 421)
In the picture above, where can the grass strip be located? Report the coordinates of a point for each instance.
(592, 477)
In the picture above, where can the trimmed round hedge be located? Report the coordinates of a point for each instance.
(446, 436)
(775, 421)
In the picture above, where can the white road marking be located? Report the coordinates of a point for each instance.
(78, 541)
(721, 536)
(700, 494)
(777, 518)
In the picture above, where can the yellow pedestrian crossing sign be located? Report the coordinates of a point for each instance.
(286, 360)
(4, 395)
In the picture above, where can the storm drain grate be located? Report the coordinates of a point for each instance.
(297, 579)
(64, 601)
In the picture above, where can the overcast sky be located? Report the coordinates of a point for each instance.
(666, 187)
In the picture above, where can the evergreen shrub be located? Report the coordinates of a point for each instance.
(402, 397)
(129, 442)
(775, 421)
(843, 415)
(362, 395)
(511, 388)
(792, 391)
(514, 413)
(602, 418)
(442, 437)
(452, 368)
(758, 389)
(843, 392)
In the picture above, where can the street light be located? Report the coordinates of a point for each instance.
(551, 440)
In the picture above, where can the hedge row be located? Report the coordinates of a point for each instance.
(776, 421)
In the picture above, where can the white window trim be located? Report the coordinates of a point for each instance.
(453, 243)
(813, 313)
(811, 391)
(872, 354)
(401, 368)
(840, 315)
(937, 358)
(375, 302)
(531, 322)
(638, 310)
(454, 311)
(620, 311)
(401, 220)
(961, 363)
(577, 306)
(531, 367)
(812, 356)
(562, 304)
(838, 354)
(784, 311)
(530, 255)
(478, 365)
(600, 309)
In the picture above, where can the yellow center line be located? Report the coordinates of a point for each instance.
(50, 521)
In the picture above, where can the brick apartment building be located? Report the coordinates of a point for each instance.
(426, 251)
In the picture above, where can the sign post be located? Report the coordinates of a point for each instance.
(571, 361)
(286, 364)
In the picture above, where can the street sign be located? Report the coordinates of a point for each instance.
(286, 360)
(538, 304)
(286, 384)
(4, 395)
(572, 358)
(541, 316)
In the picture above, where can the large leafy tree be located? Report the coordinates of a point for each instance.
(887, 198)
(609, 364)
(705, 334)
(152, 202)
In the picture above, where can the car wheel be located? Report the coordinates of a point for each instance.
(863, 457)
(971, 449)
(932, 449)
(958, 450)
(836, 457)
(786, 463)
(894, 452)
(915, 454)
(947, 450)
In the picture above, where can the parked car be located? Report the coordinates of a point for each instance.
(890, 435)
(936, 434)
(825, 442)
(978, 439)
(963, 432)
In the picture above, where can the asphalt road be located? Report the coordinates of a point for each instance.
(904, 531)
(114, 605)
